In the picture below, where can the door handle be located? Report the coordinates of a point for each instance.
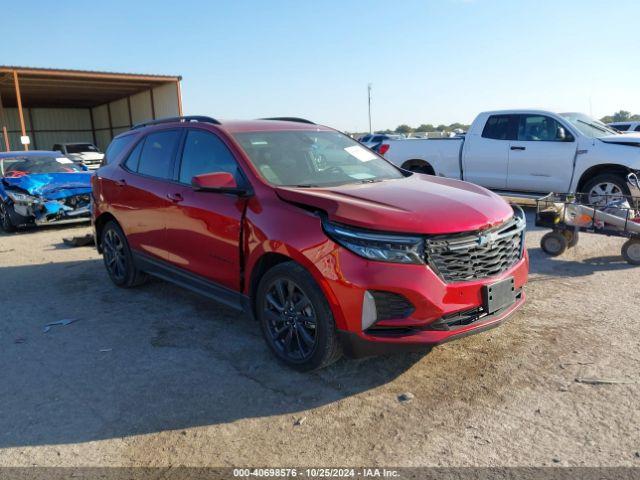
(175, 197)
(516, 147)
(121, 183)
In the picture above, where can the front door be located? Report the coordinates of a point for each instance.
(541, 159)
(203, 228)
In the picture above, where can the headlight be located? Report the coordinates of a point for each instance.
(18, 197)
(382, 247)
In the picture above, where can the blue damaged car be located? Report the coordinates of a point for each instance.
(41, 187)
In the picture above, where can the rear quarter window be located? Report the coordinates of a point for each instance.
(157, 153)
(116, 147)
(501, 127)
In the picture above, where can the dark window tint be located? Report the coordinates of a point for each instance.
(637, 129)
(538, 128)
(377, 138)
(501, 127)
(157, 153)
(622, 127)
(134, 157)
(116, 147)
(365, 139)
(205, 153)
(57, 148)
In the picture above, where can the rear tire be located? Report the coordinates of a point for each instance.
(631, 251)
(295, 318)
(118, 259)
(554, 243)
(5, 218)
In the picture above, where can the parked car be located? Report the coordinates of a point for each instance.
(529, 151)
(41, 187)
(85, 153)
(625, 126)
(327, 244)
(374, 140)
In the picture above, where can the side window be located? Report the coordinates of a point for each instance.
(134, 157)
(116, 147)
(637, 129)
(366, 138)
(157, 153)
(538, 128)
(622, 127)
(376, 139)
(501, 127)
(205, 153)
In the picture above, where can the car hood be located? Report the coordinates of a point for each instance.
(416, 204)
(51, 186)
(629, 139)
(86, 156)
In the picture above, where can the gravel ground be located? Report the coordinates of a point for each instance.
(158, 376)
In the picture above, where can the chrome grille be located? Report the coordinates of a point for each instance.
(488, 253)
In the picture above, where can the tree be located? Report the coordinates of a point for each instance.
(404, 129)
(441, 128)
(621, 116)
(425, 127)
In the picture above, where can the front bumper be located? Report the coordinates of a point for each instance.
(435, 302)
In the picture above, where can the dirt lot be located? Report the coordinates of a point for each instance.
(158, 376)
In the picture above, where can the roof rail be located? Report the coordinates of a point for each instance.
(184, 119)
(290, 119)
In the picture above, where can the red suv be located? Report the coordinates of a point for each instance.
(328, 245)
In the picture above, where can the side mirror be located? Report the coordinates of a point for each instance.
(220, 182)
(563, 136)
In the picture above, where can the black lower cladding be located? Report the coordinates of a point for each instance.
(391, 305)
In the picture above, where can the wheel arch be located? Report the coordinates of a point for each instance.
(99, 224)
(418, 163)
(266, 259)
(592, 172)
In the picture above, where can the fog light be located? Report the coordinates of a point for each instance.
(369, 312)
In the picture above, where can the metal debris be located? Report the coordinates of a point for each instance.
(406, 397)
(602, 381)
(61, 323)
(80, 241)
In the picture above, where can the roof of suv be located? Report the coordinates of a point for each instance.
(236, 126)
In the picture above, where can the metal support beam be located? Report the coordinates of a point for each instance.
(129, 108)
(179, 91)
(153, 104)
(33, 129)
(93, 127)
(110, 122)
(3, 124)
(20, 112)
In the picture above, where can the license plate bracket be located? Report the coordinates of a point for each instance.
(499, 295)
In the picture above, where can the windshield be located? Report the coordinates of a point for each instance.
(82, 147)
(588, 126)
(13, 167)
(313, 159)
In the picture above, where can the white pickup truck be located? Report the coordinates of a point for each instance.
(525, 152)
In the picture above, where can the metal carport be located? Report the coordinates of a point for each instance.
(57, 106)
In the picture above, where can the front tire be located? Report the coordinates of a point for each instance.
(554, 243)
(606, 187)
(295, 318)
(118, 259)
(5, 218)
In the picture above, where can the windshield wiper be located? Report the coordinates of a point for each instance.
(306, 185)
(371, 180)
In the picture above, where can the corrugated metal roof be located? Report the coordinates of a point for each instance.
(88, 72)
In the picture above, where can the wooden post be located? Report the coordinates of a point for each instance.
(20, 112)
(110, 121)
(179, 91)
(93, 127)
(129, 108)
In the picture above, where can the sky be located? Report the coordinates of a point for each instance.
(439, 61)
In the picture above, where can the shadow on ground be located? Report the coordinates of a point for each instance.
(145, 360)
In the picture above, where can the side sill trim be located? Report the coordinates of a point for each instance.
(195, 283)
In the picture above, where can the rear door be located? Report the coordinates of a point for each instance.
(486, 157)
(141, 203)
(541, 159)
(203, 228)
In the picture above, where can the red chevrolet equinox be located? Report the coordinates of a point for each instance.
(329, 246)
